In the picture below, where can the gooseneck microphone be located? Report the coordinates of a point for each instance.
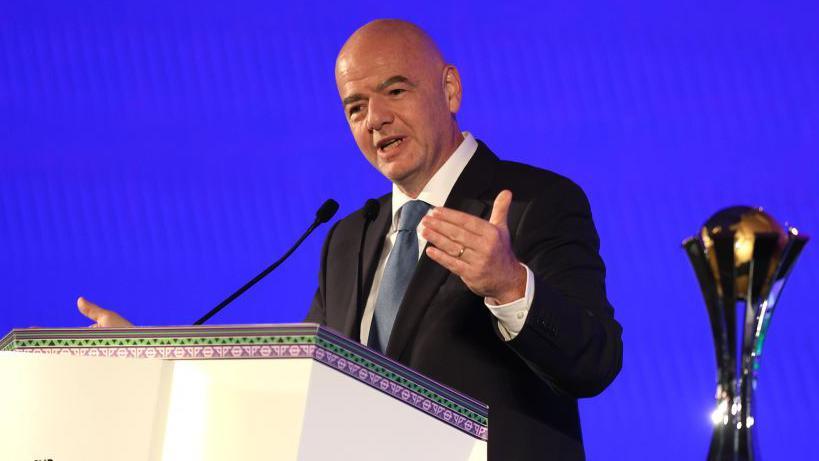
(325, 213)
(371, 207)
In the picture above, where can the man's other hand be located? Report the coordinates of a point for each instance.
(103, 318)
(478, 251)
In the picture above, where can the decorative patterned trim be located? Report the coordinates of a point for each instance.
(429, 403)
(301, 351)
(249, 343)
(264, 342)
(402, 375)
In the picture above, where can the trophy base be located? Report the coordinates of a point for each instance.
(729, 443)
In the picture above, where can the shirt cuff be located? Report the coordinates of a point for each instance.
(512, 316)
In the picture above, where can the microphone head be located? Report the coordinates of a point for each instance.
(326, 211)
(371, 207)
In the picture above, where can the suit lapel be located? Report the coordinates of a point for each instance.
(373, 245)
(465, 196)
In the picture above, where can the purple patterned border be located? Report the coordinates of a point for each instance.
(403, 394)
(187, 352)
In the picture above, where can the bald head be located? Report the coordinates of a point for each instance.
(400, 98)
(391, 36)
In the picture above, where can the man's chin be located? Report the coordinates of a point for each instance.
(402, 178)
(395, 172)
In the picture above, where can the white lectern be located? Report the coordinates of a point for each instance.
(251, 392)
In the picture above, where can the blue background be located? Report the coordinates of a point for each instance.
(156, 155)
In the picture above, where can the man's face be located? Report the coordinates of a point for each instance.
(399, 109)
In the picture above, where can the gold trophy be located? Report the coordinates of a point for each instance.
(742, 258)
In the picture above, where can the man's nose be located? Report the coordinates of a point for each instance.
(378, 114)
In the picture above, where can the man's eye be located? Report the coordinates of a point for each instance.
(354, 110)
(397, 91)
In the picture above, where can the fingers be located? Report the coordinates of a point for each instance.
(500, 210)
(103, 318)
(89, 309)
(453, 232)
(465, 221)
(474, 224)
(451, 263)
(438, 239)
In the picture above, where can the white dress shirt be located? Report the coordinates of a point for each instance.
(511, 316)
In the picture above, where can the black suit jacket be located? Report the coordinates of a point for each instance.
(569, 347)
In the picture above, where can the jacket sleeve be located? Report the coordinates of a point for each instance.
(570, 337)
(317, 312)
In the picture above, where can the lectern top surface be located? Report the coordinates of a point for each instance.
(264, 341)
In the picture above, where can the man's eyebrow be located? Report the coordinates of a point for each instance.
(352, 98)
(381, 86)
(392, 81)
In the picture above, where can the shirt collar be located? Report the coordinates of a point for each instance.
(437, 189)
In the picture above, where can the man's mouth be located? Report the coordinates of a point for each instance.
(389, 144)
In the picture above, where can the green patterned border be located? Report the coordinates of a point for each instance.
(159, 336)
(46, 343)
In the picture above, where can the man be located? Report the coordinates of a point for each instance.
(479, 273)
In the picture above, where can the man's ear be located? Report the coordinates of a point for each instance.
(452, 88)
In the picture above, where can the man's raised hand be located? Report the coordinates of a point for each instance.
(103, 318)
(478, 251)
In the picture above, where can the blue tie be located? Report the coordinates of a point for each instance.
(397, 274)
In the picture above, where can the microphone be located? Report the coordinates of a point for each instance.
(371, 207)
(323, 214)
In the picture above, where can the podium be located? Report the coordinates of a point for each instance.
(250, 392)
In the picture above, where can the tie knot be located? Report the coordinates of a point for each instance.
(411, 214)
